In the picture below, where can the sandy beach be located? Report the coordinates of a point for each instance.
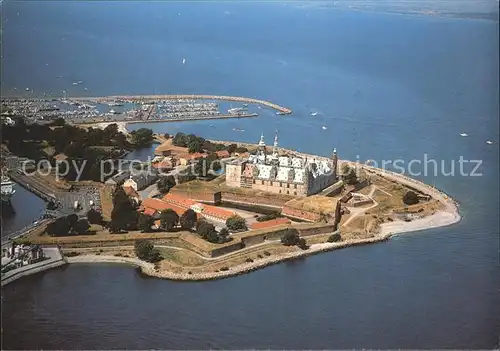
(438, 219)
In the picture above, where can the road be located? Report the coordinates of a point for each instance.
(65, 199)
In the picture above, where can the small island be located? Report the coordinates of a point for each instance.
(207, 209)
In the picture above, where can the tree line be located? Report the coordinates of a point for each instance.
(83, 147)
(199, 144)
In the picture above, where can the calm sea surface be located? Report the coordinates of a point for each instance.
(386, 87)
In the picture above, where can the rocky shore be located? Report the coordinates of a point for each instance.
(150, 270)
(449, 215)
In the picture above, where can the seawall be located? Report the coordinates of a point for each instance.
(56, 260)
(149, 269)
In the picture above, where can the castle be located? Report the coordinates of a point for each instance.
(291, 174)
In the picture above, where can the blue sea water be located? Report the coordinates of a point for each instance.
(386, 86)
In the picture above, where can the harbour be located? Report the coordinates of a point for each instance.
(133, 109)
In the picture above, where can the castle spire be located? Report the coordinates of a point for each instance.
(335, 161)
(261, 142)
(275, 148)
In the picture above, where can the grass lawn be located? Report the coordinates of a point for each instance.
(181, 257)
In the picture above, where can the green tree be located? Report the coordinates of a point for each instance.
(81, 227)
(124, 215)
(145, 223)
(94, 217)
(223, 234)
(142, 137)
(111, 130)
(60, 227)
(236, 222)
(180, 139)
(146, 251)
(194, 146)
(169, 219)
(349, 175)
(301, 243)
(188, 219)
(207, 231)
(165, 184)
(220, 147)
(231, 148)
(334, 238)
(290, 237)
(410, 198)
(212, 236)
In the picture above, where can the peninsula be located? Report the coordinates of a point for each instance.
(207, 209)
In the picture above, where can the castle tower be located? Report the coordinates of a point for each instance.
(261, 151)
(261, 142)
(275, 146)
(335, 160)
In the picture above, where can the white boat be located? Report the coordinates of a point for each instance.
(489, 142)
(183, 61)
(314, 113)
(113, 112)
(75, 83)
(7, 189)
(27, 89)
(324, 128)
(464, 134)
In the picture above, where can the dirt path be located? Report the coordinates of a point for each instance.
(355, 212)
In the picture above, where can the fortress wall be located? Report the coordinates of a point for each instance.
(301, 214)
(233, 246)
(253, 199)
(316, 229)
(200, 196)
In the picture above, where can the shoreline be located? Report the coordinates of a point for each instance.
(439, 219)
(446, 217)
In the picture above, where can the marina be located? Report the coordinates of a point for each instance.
(133, 109)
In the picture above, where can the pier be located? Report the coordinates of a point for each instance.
(194, 118)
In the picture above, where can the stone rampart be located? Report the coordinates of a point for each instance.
(300, 214)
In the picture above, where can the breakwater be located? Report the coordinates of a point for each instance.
(145, 98)
(197, 118)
